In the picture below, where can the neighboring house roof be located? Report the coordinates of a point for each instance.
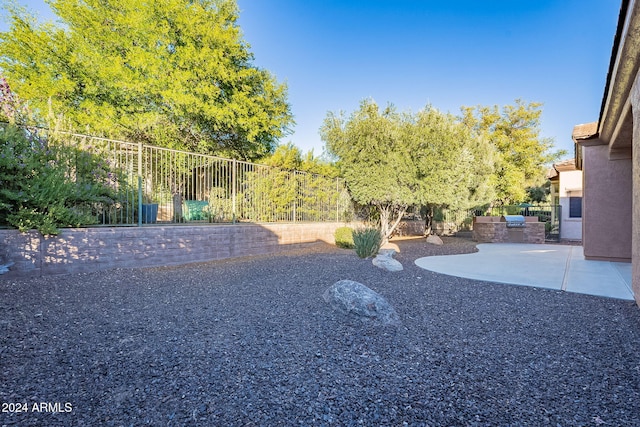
(565, 165)
(553, 174)
(584, 134)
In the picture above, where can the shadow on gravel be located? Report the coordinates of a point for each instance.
(250, 342)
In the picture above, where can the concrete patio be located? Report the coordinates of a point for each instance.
(560, 267)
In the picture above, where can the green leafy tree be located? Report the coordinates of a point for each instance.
(540, 193)
(374, 160)
(285, 156)
(293, 188)
(44, 183)
(514, 131)
(392, 161)
(454, 168)
(288, 156)
(174, 73)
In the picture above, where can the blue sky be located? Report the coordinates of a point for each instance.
(332, 54)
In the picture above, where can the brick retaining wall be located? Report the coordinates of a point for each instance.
(91, 249)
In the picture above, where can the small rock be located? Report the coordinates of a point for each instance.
(355, 298)
(385, 261)
(5, 267)
(434, 240)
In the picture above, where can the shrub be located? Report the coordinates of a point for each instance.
(44, 186)
(344, 238)
(367, 241)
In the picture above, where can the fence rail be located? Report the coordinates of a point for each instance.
(150, 184)
(162, 185)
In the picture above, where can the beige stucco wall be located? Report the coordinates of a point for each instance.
(635, 232)
(607, 205)
(570, 186)
(570, 183)
(635, 278)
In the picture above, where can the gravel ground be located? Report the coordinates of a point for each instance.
(250, 342)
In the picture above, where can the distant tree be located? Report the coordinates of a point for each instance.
(392, 161)
(539, 193)
(455, 168)
(173, 73)
(286, 156)
(514, 131)
(293, 188)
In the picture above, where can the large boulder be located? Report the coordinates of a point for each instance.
(357, 299)
(385, 260)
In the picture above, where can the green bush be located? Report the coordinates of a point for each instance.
(45, 186)
(44, 183)
(220, 205)
(344, 238)
(367, 241)
(513, 210)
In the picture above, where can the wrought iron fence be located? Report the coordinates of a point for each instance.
(161, 185)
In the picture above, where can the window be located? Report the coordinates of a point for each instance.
(575, 207)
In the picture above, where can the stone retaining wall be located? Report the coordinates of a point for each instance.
(490, 232)
(100, 248)
(410, 228)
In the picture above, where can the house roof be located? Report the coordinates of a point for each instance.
(565, 165)
(553, 174)
(585, 131)
(615, 124)
(621, 65)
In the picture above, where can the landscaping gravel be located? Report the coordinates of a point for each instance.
(251, 342)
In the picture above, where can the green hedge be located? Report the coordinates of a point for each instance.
(344, 237)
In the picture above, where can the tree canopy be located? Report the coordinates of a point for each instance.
(514, 131)
(289, 157)
(174, 73)
(393, 160)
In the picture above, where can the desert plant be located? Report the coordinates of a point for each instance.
(344, 237)
(367, 241)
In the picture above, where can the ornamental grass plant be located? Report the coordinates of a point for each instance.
(367, 241)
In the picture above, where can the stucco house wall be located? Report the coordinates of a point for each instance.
(635, 230)
(607, 208)
(608, 153)
(570, 186)
(566, 183)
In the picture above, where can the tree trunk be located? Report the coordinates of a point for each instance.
(384, 222)
(386, 228)
(489, 210)
(428, 222)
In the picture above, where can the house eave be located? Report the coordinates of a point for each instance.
(615, 125)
